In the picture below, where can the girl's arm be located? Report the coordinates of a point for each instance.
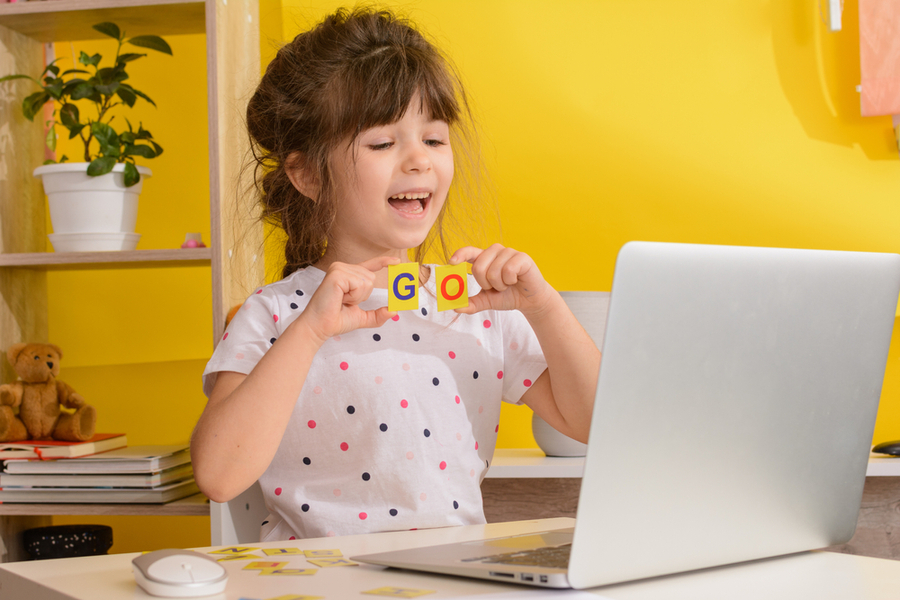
(564, 394)
(242, 425)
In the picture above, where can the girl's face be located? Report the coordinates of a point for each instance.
(391, 184)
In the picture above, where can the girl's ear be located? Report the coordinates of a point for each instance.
(302, 176)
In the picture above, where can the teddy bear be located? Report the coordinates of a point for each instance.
(39, 395)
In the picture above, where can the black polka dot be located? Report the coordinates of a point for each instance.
(383, 427)
(299, 292)
(427, 433)
(475, 375)
(305, 508)
(294, 306)
(415, 337)
(366, 476)
(376, 337)
(393, 512)
(455, 504)
(435, 381)
(263, 523)
(351, 410)
(306, 460)
(272, 341)
(424, 312)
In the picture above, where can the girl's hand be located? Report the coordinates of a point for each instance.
(334, 307)
(509, 280)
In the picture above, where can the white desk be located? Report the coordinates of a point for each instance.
(819, 575)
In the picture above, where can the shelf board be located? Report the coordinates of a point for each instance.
(73, 20)
(126, 259)
(196, 505)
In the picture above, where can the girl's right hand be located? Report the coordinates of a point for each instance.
(334, 307)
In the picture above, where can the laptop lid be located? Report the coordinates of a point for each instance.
(735, 406)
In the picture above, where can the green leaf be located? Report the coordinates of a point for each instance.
(108, 89)
(11, 77)
(51, 68)
(74, 131)
(131, 175)
(33, 103)
(140, 94)
(154, 42)
(86, 90)
(127, 137)
(55, 89)
(139, 150)
(105, 134)
(69, 116)
(127, 96)
(110, 29)
(70, 71)
(124, 58)
(157, 148)
(50, 140)
(63, 159)
(101, 166)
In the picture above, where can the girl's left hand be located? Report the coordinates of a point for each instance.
(509, 280)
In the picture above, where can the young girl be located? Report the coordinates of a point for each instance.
(354, 418)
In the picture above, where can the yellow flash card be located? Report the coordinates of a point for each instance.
(452, 286)
(403, 287)
(396, 592)
(238, 557)
(233, 550)
(259, 565)
(296, 597)
(332, 562)
(280, 551)
(288, 571)
(322, 553)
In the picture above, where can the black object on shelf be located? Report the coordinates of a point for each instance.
(64, 541)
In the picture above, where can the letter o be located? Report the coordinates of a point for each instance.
(459, 290)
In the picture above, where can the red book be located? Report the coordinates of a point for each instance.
(48, 449)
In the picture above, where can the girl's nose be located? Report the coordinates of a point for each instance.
(416, 160)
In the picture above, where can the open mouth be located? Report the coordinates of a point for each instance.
(410, 203)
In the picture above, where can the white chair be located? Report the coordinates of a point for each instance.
(238, 520)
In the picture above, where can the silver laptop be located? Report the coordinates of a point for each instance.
(733, 418)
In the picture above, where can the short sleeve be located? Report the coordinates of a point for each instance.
(250, 334)
(523, 359)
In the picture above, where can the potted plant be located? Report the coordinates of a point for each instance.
(93, 204)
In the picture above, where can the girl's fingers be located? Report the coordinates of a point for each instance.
(380, 262)
(465, 254)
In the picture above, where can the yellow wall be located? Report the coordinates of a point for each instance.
(692, 121)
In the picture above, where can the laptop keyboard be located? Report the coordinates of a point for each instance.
(556, 557)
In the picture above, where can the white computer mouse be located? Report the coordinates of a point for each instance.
(179, 574)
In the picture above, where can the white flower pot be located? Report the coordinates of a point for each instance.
(554, 443)
(81, 204)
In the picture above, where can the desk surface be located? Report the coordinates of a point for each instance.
(820, 575)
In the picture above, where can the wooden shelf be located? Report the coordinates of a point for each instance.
(72, 20)
(177, 257)
(196, 505)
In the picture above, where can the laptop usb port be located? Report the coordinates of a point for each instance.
(527, 577)
(543, 579)
(499, 574)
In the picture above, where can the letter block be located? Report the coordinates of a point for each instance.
(452, 287)
(403, 286)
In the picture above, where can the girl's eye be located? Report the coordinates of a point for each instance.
(381, 146)
(435, 143)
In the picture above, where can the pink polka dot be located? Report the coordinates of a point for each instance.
(487, 324)
(496, 429)
(480, 409)
(336, 493)
(478, 342)
(443, 465)
(395, 318)
(527, 383)
(259, 291)
(423, 496)
(457, 399)
(451, 355)
(514, 345)
(275, 317)
(331, 534)
(404, 403)
(317, 390)
(337, 338)
(472, 473)
(239, 356)
(409, 455)
(312, 424)
(378, 379)
(476, 445)
(225, 337)
(247, 306)
(458, 437)
(406, 367)
(292, 537)
(499, 374)
(345, 446)
(277, 491)
(363, 516)
(344, 366)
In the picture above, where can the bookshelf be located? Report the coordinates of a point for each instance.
(231, 29)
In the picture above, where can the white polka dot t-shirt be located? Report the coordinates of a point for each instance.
(395, 426)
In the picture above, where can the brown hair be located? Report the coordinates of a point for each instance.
(355, 70)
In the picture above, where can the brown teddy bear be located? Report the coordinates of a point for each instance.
(39, 395)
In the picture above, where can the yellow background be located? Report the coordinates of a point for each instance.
(691, 121)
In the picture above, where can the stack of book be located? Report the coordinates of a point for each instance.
(133, 475)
